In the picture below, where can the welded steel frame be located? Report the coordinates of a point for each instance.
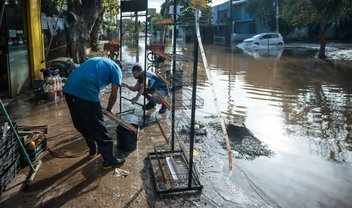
(145, 62)
(193, 183)
(195, 178)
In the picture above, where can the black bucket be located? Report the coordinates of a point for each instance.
(126, 139)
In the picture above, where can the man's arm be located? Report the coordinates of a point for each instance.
(140, 92)
(113, 96)
(132, 88)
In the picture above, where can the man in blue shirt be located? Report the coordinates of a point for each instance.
(82, 90)
(153, 83)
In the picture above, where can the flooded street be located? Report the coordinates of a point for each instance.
(301, 108)
(298, 107)
(288, 116)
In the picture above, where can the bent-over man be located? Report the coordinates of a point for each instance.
(82, 91)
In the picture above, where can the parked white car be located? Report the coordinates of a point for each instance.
(265, 39)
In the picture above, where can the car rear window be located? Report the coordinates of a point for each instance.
(274, 36)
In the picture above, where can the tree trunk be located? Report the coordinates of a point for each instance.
(94, 34)
(82, 16)
(322, 38)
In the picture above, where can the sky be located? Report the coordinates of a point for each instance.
(157, 3)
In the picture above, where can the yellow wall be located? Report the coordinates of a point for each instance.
(35, 43)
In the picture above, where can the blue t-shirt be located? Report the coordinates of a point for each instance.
(93, 75)
(154, 81)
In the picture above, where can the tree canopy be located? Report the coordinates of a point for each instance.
(304, 12)
(300, 13)
(186, 15)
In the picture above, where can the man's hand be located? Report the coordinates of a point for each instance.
(113, 97)
(124, 85)
(134, 100)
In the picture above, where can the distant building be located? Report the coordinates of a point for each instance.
(236, 25)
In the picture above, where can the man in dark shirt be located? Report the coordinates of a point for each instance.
(153, 83)
(82, 96)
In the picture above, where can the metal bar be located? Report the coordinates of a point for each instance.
(164, 80)
(152, 172)
(168, 191)
(131, 100)
(120, 55)
(193, 110)
(125, 112)
(163, 101)
(145, 63)
(196, 187)
(173, 80)
(163, 132)
(160, 166)
(139, 15)
(120, 100)
(120, 121)
(136, 31)
(2, 12)
(41, 128)
(120, 41)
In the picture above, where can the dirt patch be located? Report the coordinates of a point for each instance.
(244, 144)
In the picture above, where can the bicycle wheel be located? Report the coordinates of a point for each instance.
(151, 68)
(151, 56)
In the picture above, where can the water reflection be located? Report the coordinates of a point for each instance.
(323, 113)
(260, 51)
(309, 98)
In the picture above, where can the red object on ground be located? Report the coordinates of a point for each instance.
(148, 96)
(112, 46)
(156, 47)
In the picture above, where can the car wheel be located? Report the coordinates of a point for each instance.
(280, 44)
(256, 43)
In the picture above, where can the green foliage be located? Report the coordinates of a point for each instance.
(152, 19)
(128, 25)
(303, 12)
(60, 3)
(187, 14)
(111, 8)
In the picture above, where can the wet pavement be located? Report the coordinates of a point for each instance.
(80, 181)
(289, 117)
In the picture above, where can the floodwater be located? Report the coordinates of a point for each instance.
(299, 107)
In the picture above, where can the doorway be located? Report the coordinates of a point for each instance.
(14, 58)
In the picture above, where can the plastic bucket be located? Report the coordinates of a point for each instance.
(126, 139)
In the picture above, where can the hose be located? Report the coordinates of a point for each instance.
(76, 135)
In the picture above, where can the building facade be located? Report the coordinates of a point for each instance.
(21, 48)
(232, 23)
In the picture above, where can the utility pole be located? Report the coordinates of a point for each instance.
(137, 35)
(276, 3)
(230, 22)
